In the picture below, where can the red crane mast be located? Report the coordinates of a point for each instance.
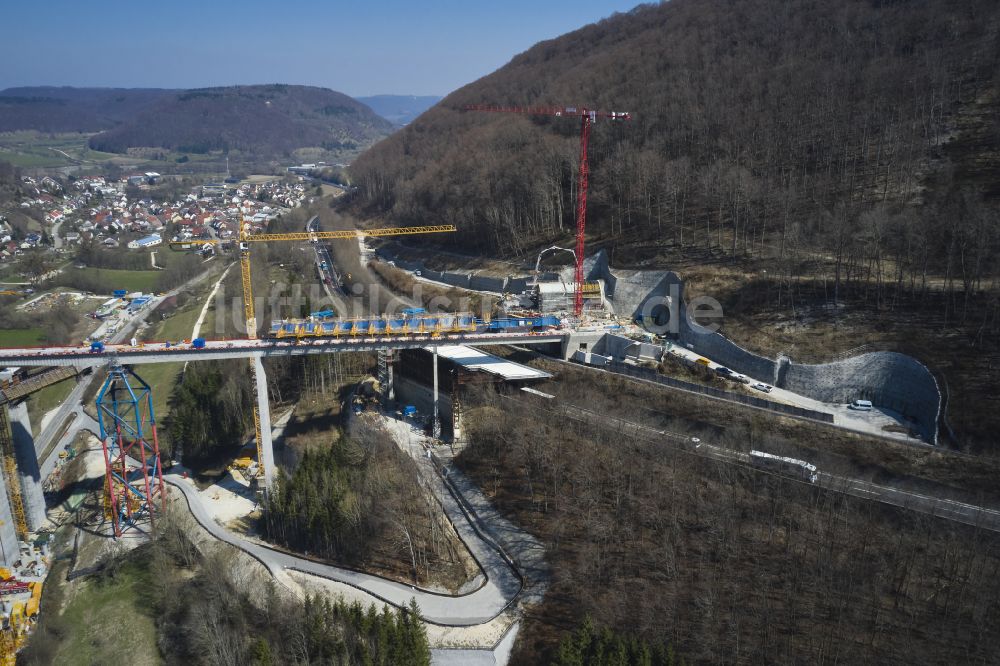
(587, 116)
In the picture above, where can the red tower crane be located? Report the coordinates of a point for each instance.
(587, 116)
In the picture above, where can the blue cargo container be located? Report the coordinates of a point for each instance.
(323, 314)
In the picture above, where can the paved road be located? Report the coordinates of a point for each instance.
(872, 423)
(471, 609)
(57, 241)
(497, 589)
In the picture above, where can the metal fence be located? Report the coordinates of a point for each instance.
(652, 375)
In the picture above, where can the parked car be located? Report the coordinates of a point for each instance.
(861, 405)
(761, 386)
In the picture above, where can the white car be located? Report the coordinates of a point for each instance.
(861, 405)
(760, 386)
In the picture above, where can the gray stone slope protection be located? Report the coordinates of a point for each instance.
(889, 379)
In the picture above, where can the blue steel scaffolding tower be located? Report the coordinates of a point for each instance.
(133, 489)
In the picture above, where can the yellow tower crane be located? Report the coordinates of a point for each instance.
(245, 238)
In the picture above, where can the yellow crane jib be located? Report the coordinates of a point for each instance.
(321, 235)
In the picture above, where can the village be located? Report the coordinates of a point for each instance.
(125, 212)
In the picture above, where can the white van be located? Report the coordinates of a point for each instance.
(861, 405)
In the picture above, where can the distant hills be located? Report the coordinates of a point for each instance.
(64, 109)
(399, 109)
(266, 119)
(257, 120)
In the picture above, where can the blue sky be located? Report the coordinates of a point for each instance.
(360, 48)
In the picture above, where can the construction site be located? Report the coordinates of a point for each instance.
(428, 366)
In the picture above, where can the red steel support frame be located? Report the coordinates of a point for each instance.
(586, 118)
(128, 433)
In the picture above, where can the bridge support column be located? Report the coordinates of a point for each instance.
(27, 465)
(10, 549)
(436, 430)
(267, 446)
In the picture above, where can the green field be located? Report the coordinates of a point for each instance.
(32, 160)
(36, 149)
(21, 337)
(144, 281)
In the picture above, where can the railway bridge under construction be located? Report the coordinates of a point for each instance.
(128, 424)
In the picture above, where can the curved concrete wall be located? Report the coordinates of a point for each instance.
(891, 380)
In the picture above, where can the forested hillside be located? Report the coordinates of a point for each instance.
(65, 109)
(720, 564)
(830, 171)
(267, 119)
(864, 133)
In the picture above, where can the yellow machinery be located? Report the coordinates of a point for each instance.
(9, 465)
(18, 390)
(245, 238)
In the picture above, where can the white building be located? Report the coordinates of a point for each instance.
(143, 243)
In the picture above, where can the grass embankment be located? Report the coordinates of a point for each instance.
(429, 295)
(21, 337)
(162, 377)
(143, 281)
(89, 628)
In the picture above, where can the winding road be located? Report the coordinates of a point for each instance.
(476, 607)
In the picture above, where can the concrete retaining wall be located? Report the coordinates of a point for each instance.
(517, 285)
(726, 352)
(891, 380)
(618, 347)
(487, 283)
(410, 392)
(634, 293)
(888, 379)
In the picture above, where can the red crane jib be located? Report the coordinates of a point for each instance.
(587, 116)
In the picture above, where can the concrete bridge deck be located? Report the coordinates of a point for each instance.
(163, 352)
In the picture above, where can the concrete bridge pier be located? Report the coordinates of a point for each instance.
(267, 446)
(10, 549)
(27, 465)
